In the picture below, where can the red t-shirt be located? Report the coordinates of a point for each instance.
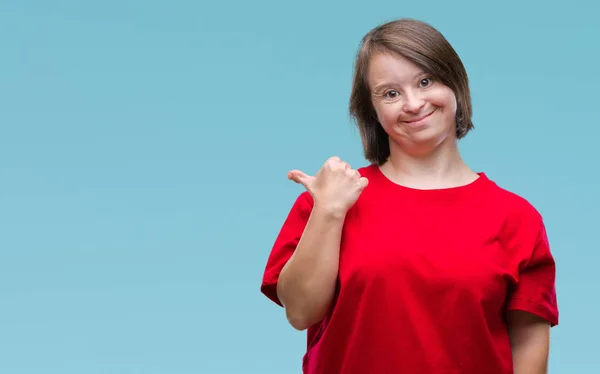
(425, 278)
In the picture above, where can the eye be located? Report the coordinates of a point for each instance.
(425, 82)
(391, 94)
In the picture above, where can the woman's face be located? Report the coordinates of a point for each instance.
(415, 110)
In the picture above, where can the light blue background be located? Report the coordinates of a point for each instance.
(144, 147)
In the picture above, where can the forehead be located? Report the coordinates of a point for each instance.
(391, 67)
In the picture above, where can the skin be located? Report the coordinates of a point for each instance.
(418, 113)
(530, 342)
(423, 154)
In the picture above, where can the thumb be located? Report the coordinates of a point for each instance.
(301, 178)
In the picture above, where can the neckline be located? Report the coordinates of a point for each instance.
(436, 194)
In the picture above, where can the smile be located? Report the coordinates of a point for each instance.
(420, 118)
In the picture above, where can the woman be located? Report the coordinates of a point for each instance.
(414, 263)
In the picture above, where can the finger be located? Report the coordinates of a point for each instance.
(353, 173)
(300, 177)
(336, 163)
(332, 162)
(362, 183)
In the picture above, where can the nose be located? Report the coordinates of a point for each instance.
(413, 102)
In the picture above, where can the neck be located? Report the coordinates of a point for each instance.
(443, 167)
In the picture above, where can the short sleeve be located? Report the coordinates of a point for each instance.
(535, 290)
(285, 244)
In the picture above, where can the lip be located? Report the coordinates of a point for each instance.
(417, 120)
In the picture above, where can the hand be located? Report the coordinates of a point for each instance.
(335, 187)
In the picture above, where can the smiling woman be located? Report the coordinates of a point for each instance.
(414, 108)
(407, 68)
(414, 263)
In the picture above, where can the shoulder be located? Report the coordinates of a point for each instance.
(368, 170)
(518, 213)
(302, 205)
(513, 202)
(371, 172)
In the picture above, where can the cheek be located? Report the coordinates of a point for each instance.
(445, 99)
(387, 114)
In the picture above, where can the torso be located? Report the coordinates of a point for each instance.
(423, 281)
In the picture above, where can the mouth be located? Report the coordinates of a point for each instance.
(417, 120)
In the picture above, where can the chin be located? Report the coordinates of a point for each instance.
(421, 142)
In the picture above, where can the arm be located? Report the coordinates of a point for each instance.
(303, 267)
(530, 342)
(532, 308)
(307, 282)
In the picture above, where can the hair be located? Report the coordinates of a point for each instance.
(427, 48)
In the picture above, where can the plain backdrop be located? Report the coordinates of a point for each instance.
(144, 147)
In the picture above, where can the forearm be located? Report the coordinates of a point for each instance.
(307, 282)
(530, 359)
(530, 344)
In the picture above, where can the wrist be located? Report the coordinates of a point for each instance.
(329, 211)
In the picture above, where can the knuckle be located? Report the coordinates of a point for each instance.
(331, 162)
(336, 164)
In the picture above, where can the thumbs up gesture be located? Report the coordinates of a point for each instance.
(335, 187)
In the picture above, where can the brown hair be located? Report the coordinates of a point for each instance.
(427, 48)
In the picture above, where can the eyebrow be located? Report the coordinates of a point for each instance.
(419, 74)
(383, 85)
